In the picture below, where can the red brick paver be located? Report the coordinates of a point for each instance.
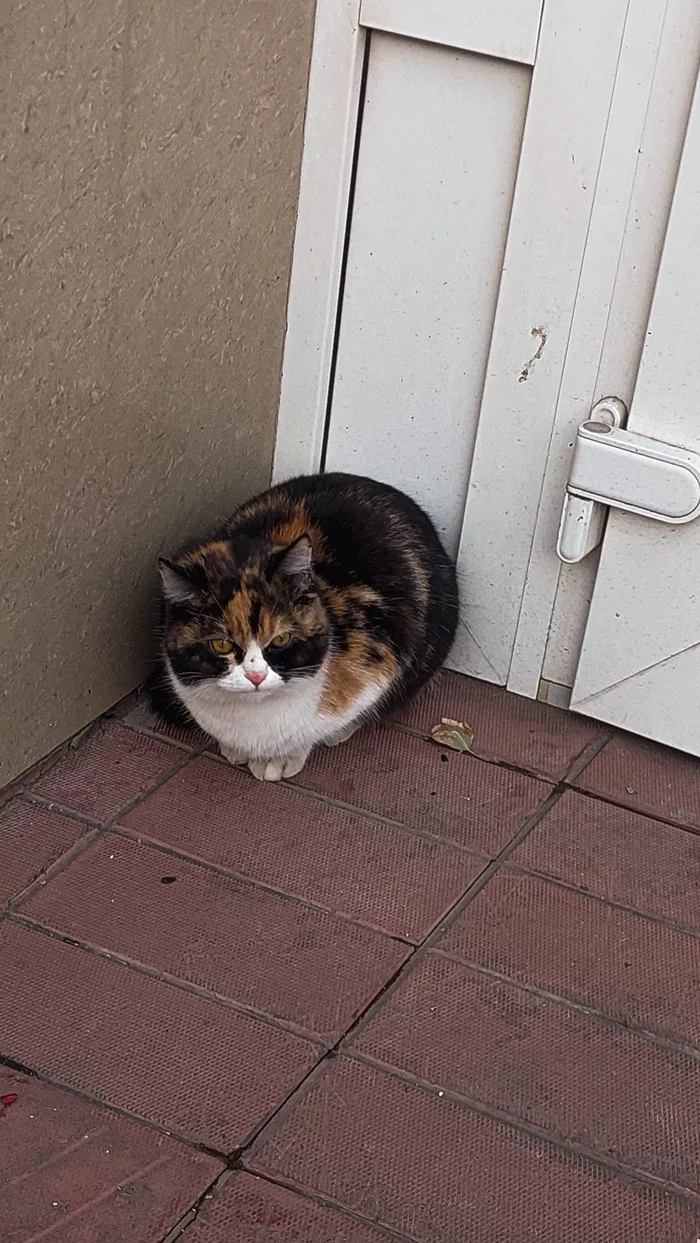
(140, 716)
(647, 778)
(275, 836)
(251, 1210)
(558, 1069)
(426, 787)
(72, 1172)
(567, 943)
(411, 995)
(186, 1064)
(228, 938)
(529, 735)
(108, 772)
(618, 855)
(32, 837)
(434, 1170)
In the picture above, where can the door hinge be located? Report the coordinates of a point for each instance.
(617, 469)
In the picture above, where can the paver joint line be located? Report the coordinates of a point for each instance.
(516, 1123)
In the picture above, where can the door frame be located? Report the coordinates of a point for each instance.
(331, 134)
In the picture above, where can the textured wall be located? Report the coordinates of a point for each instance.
(149, 163)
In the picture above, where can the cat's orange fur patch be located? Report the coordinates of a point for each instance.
(237, 614)
(342, 601)
(348, 674)
(218, 548)
(295, 528)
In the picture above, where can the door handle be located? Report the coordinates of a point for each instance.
(614, 468)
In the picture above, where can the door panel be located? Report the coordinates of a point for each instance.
(503, 28)
(576, 69)
(656, 79)
(441, 137)
(640, 661)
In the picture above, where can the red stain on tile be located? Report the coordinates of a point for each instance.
(251, 1210)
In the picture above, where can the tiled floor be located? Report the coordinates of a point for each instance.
(412, 994)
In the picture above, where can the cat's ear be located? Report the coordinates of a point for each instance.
(295, 561)
(178, 587)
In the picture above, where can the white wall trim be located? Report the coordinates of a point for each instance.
(333, 103)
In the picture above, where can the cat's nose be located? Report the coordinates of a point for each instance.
(255, 676)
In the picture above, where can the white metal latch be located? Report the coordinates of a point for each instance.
(615, 468)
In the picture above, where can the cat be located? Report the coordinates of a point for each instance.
(318, 606)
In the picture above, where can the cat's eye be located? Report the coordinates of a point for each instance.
(222, 647)
(281, 640)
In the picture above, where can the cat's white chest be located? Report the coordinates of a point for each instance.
(258, 725)
(284, 722)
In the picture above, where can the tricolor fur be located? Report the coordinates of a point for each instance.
(320, 603)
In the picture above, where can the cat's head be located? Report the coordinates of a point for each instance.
(244, 613)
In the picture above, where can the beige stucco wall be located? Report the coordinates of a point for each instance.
(149, 164)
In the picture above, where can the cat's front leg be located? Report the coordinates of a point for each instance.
(275, 770)
(232, 755)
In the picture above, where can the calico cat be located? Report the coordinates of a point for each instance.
(317, 606)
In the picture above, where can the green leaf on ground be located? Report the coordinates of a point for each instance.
(454, 734)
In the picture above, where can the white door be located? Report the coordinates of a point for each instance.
(589, 216)
(640, 661)
(418, 108)
(438, 156)
(484, 198)
(451, 160)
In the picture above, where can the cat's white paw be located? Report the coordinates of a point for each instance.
(233, 757)
(275, 770)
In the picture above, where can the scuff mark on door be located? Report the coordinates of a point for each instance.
(541, 335)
